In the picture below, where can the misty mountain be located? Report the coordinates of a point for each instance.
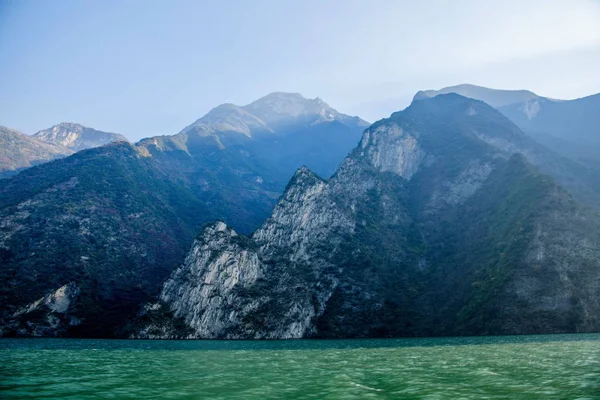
(496, 98)
(287, 130)
(238, 159)
(570, 127)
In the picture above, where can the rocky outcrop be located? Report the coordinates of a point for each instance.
(235, 287)
(47, 316)
(390, 149)
(206, 288)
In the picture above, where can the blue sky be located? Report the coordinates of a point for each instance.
(144, 68)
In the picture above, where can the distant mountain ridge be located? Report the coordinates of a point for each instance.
(77, 137)
(246, 154)
(496, 98)
(19, 151)
(568, 127)
(272, 113)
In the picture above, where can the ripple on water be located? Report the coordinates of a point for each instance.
(532, 367)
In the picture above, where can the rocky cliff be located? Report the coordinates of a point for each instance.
(436, 224)
(47, 316)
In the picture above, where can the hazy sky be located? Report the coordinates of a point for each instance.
(143, 68)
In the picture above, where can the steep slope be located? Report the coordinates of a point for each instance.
(428, 227)
(105, 220)
(229, 118)
(19, 151)
(77, 137)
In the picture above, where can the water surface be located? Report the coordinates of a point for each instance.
(515, 367)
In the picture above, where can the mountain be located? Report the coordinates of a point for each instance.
(571, 128)
(105, 222)
(282, 110)
(19, 151)
(436, 224)
(77, 137)
(238, 159)
(274, 113)
(87, 239)
(579, 178)
(286, 130)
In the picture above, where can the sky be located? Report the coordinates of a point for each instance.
(144, 68)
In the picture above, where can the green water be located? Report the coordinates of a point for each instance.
(519, 367)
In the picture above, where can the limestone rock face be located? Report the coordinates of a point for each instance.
(204, 290)
(47, 316)
(235, 287)
(390, 149)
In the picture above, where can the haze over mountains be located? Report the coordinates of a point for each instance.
(568, 127)
(450, 217)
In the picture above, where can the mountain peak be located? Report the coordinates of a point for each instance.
(229, 118)
(19, 151)
(272, 113)
(279, 106)
(69, 125)
(76, 136)
(303, 177)
(283, 96)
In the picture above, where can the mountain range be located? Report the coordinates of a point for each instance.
(427, 228)
(117, 219)
(448, 218)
